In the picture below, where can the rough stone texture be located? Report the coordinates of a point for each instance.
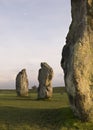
(45, 78)
(22, 83)
(77, 59)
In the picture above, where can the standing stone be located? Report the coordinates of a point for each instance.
(77, 59)
(45, 76)
(22, 83)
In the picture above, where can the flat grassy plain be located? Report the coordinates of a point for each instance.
(19, 113)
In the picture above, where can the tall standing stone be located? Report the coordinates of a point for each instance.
(22, 83)
(77, 59)
(45, 78)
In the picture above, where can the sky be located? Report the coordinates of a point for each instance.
(31, 32)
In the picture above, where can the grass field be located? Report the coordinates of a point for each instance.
(18, 113)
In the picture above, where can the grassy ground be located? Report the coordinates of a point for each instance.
(18, 113)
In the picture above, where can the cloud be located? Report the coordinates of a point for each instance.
(25, 14)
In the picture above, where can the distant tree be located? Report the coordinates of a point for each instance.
(34, 87)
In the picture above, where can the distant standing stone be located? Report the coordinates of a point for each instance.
(45, 76)
(22, 83)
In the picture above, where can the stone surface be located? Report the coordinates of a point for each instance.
(45, 78)
(77, 59)
(22, 83)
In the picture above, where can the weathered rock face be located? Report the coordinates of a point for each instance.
(77, 59)
(45, 78)
(22, 83)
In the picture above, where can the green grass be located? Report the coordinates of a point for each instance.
(19, 113)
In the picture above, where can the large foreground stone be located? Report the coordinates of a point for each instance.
(45, 78)
(22, 83)
(77, 59)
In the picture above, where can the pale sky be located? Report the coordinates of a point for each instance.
(31, 32)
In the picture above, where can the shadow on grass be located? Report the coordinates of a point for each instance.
(52, 119)
(18, 98)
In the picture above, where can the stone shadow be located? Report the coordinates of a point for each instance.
(51, 119)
